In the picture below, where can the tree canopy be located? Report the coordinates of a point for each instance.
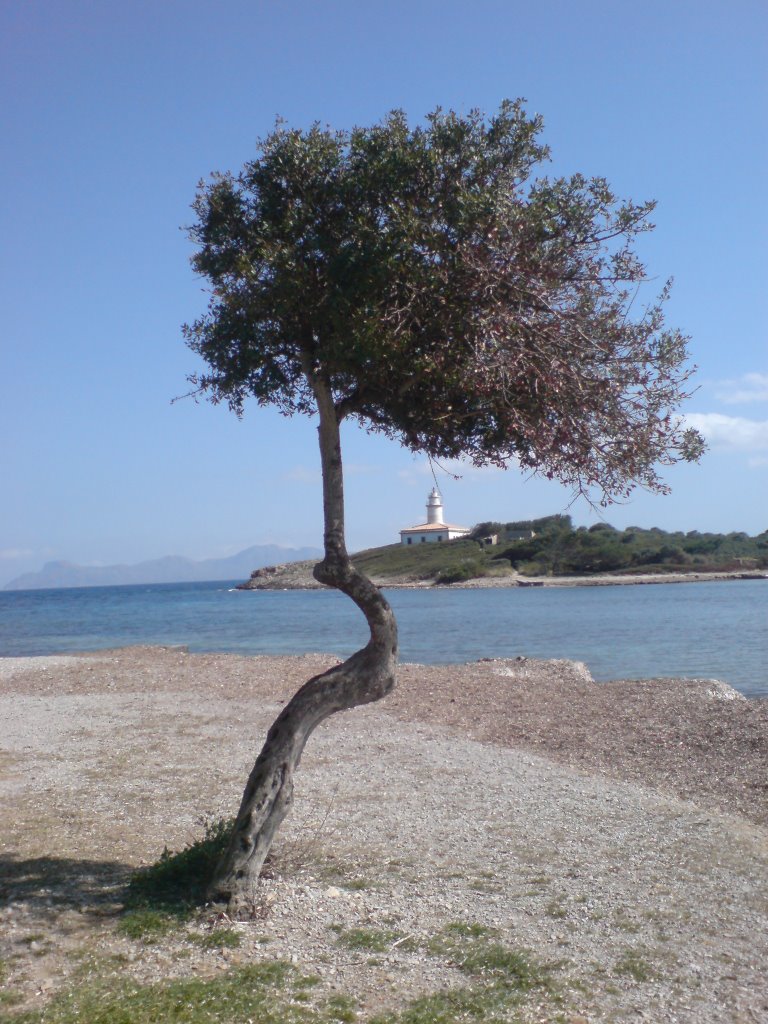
(445, 296)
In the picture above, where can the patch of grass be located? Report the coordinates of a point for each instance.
(369, 940)
(476, 951)
(555, 909)
(178, 881)
(451, 1007)
(220, 938)
(342, 1009)
(7, 996)
(308, 981)
(260, 992)
(263, 993)
(515, 967)
(500, 981)
(626, 924)
(485, 883)
(632, 964)
(503, 979)
(146, 925)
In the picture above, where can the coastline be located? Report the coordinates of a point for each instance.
(606, 580)
(298, 576)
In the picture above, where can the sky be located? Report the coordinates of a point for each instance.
(113, 112)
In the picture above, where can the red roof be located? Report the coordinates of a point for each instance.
(433, 527)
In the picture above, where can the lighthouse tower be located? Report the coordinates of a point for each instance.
(434, 508)
(435, 529)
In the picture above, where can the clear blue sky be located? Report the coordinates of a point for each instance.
(112, 112)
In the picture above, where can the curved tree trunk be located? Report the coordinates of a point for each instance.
(368, 675)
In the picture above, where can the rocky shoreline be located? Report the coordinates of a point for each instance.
(298, 576)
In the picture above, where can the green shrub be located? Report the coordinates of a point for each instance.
(461, 572)
(178, 881)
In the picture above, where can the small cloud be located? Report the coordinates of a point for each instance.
(758, 461)
(302, 475)
(751, 387)
(734, 433)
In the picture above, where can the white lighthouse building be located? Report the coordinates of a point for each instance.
(435, 529)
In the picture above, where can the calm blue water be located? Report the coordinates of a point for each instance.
(713, 630)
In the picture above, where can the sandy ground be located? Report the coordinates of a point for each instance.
(599, 825)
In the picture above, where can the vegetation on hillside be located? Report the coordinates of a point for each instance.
(427, 561)
(552, 546)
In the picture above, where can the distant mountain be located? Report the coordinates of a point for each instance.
(171, 569)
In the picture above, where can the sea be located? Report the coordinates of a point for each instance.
(711, 630)
(716, 630)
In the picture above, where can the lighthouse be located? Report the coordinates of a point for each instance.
(434, 508)
(435, 530)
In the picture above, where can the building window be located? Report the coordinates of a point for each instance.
(423, 540)
(439, 538)
(410, 540)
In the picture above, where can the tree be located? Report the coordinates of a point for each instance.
(421, 282)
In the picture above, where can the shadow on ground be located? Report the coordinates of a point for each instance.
(45, 883)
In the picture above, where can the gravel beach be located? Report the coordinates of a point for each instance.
(617, 830)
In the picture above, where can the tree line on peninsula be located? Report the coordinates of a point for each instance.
(557, 547)
(551, 545)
